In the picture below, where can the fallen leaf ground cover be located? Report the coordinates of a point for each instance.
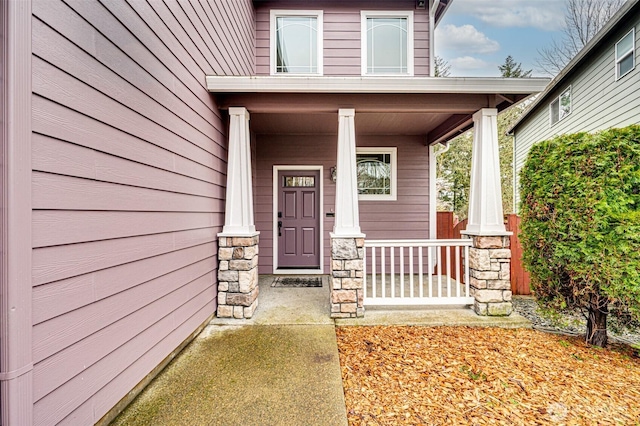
(463, 375)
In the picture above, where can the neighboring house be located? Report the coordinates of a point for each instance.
(131, 171)
(597, 90)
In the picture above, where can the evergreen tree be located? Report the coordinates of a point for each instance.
(513, 69)
(442, 67)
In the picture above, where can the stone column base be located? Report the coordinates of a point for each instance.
(490, 275)
(346, 280)
(237, 276)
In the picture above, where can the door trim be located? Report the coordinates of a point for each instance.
(274, 221)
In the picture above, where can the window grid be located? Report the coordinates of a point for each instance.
(377, 22)
(300, 32)
(284, 22)
(403, 62)
(625, 57)
(376, 170)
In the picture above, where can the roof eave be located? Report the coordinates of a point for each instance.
(399, 85)
(577, 60)
(442, 9)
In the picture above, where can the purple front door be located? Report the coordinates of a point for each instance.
(298, 219)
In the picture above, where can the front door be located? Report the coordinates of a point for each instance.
(298, 219)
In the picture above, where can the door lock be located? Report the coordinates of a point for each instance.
(279, 228)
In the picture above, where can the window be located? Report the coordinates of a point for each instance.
(299, 181)
(296, 42)
(387, 43)
(625, 59)
(376, 170)
(561, 106)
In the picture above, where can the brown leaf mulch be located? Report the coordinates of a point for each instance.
(463, 375)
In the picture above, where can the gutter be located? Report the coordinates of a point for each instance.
(433, 7)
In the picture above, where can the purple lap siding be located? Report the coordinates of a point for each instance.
(407, 217)
(342, 34)
(129, 160)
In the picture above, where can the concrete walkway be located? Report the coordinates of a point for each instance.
(279, 368)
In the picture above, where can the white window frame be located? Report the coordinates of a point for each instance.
(393, 153)
(631, 53)
(364, 14)
(277, 13)
(557, 99)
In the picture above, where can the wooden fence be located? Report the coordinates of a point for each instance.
(449, 228)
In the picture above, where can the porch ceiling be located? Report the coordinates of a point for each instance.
(439, 108)
(408, 123)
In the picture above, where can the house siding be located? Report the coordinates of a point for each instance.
(129, 162)
(598, 101)
(342, 26)
(405, 218)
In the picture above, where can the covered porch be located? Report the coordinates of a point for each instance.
(316, 129)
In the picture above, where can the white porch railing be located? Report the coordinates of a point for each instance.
(416, 272)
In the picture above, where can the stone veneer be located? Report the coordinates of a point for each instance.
(490, 275)
(237, 276)
(346, 280)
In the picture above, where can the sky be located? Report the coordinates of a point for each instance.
(475, 36)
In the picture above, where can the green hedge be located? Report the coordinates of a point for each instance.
(581, 220)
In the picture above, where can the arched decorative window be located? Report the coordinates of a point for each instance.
(376, 170)
(296, 42)
(387, 43)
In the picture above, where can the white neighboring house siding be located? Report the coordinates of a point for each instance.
(598, 100)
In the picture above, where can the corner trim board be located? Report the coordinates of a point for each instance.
(16, 347)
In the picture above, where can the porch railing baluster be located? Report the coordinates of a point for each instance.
(402, 272)
(457, 249)
(466, 271)
(383, 271)
(420, 272)
(373, 272)
(448, 257)
(393, 272)
(411, 272)
(430, 271)
(364, 275)
(439, 263)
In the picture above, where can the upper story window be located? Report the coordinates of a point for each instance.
(560, 107)
(387, 43)
(377, 173)
(296, 42)
(625, 58)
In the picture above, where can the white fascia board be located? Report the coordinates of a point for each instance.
(290, 84)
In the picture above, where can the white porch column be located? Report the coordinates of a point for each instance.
(238, 242)
(238, 219)
(347, 241)
(485, 197)
(490, 255)
(347, 222)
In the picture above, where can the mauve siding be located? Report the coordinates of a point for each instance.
(129, 163)
(405, 218)
(342, 25)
